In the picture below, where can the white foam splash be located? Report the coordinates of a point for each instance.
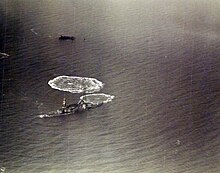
(51, 114)
(75, 84)
(2, 169)
(4, 54)
(97, 99)
(33, 31)
(43, 116)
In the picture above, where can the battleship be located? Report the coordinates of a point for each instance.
(70, 109)
(77, 107)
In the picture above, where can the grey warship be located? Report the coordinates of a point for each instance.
(77, 107)
(70, 109)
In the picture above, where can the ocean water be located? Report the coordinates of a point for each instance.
(159, 58)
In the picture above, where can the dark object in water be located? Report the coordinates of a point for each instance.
(77, 107)
(70, 109)
(63, 37)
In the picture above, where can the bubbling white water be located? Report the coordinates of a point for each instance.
(97, 99)
(75, 84)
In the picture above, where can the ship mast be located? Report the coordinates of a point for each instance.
(64, 103)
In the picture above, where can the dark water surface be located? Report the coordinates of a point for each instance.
(159, 58)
